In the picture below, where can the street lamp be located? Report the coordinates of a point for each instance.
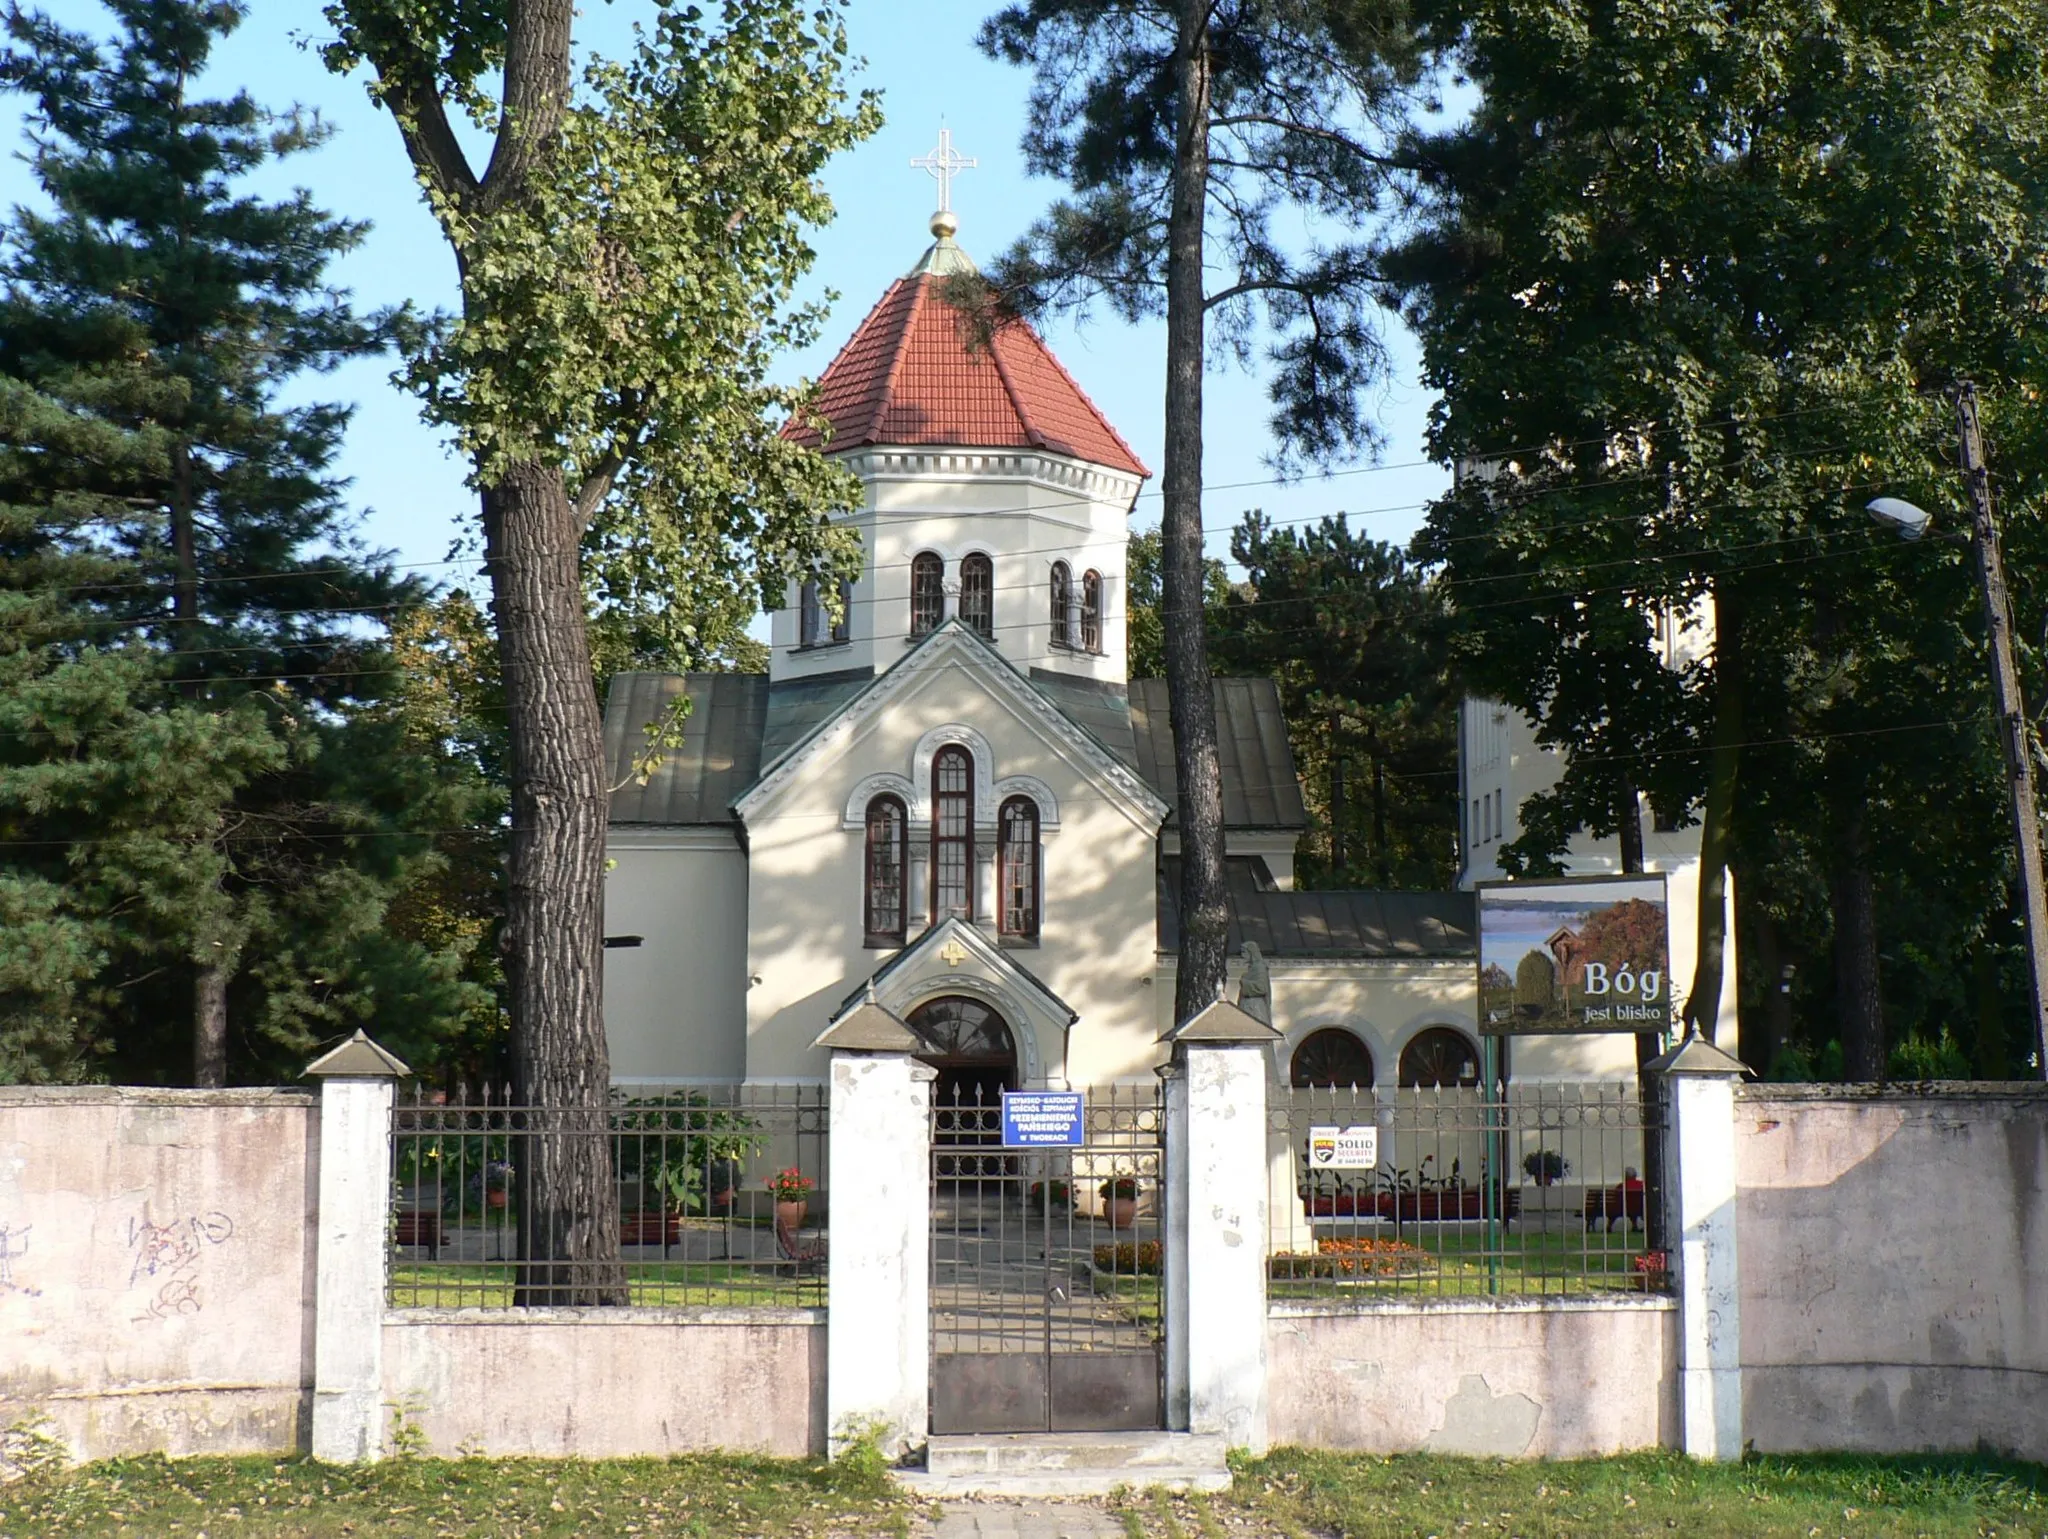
(1911, 523)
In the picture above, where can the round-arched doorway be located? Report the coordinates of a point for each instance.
(972, 1048)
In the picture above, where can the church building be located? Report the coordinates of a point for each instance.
(947, 791)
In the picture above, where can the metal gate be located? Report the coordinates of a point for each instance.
(1046, 1271)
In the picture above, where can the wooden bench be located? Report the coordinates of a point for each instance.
(1610, 1205)
(420, 1227)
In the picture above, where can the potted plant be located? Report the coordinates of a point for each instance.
(1120, 1201)
(1546, 1167)
(1062, 1195)
(791, 1190)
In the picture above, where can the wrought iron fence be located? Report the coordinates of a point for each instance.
(721, 1195)
(1539, 1189)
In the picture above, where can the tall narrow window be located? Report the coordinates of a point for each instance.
(842, 624)
(952, 834)
(978, 595)
(927, 593)
(807, 614)
(887, 829)
(1017, 861)
(1062, 605)
(1091, 611)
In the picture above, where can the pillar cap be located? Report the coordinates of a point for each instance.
(869, 1028)
(1698, 1057)
(358, 1058)
(1221, 1023)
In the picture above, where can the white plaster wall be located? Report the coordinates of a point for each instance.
(1892, 1250)
(158, 1290)
(1096, 946)
(609, 1383)
(1498, 1378)
(1022, 509)
(675, 1006)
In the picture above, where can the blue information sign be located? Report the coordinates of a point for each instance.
(1043, 1119)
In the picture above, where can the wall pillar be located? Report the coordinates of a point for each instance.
(878, 1290)
(356, 1083)
(1699, 1099)
(1216, 1225)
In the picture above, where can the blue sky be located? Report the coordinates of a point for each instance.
(920, 55)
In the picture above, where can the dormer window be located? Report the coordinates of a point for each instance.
(927, 593)
(1091, 611)
(978, 595)
(1062, 605)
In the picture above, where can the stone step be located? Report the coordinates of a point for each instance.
(1070, 1464)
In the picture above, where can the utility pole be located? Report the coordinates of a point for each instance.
(2012, 717)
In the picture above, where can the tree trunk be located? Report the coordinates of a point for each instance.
(1381, 863)
(1761, 1046)
(568, 1194)
(210, 1026)
(1204, 911)
(1859, 1005)
(1703, 1003)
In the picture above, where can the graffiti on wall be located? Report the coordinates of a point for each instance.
(169, 1260)
(13, 1247)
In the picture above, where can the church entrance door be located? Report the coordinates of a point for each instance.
(1045, 1268)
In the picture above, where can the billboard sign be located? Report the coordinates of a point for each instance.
(1574, 954)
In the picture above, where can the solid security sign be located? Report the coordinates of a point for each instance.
(1343, 1148)
(1043, 1119)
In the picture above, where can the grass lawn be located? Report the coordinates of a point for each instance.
(488, 1284)
(1454, 1262)
(1290, 1495)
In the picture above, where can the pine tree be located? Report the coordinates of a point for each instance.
(158, 300)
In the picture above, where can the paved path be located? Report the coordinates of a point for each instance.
(1027, 1520)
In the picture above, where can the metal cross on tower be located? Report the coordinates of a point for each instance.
(943, 163)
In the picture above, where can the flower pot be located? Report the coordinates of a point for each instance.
(789, 1216)
(495, 1197)
(1122, 1212)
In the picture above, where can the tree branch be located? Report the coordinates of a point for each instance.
(1329, 135)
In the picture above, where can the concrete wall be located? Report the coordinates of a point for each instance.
(605, 1383)
(676, 1005)
(1893, 1246)
(157, 1290)
(1505, 1378)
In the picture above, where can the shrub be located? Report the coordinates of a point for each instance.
(1120, 1189)
(1353, 1257)
(1130, 1260)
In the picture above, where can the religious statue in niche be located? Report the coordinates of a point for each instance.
(1255, 988)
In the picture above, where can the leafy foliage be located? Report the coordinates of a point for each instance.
(205, 823)
(1691, 283)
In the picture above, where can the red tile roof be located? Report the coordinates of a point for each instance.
(909, 377)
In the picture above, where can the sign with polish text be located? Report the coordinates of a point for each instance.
(1570, 955)
(1044, 1119)
(1334, 1148)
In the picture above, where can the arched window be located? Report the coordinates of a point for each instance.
(1439, 1059)
(978, 595)
(1062, 605)
(927, 593)
(1017, 865)
(888, 828)
(952, 834)
(1091, 611)
(1330, 1059)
